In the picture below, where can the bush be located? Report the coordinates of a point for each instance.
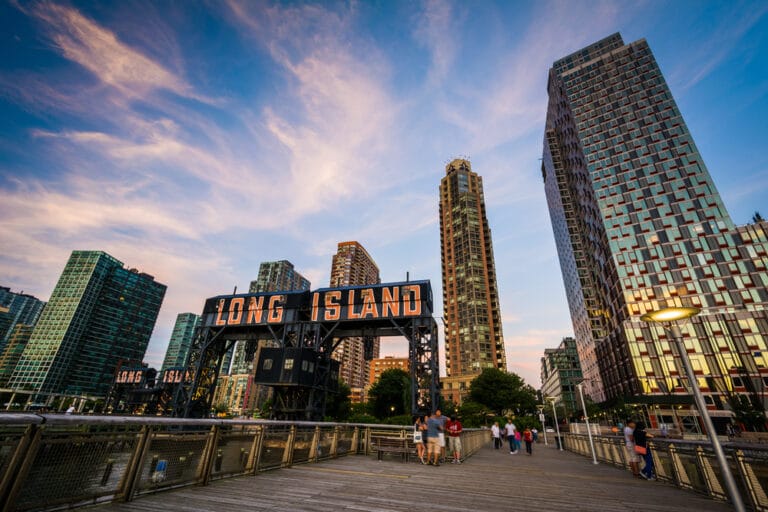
(362, 418)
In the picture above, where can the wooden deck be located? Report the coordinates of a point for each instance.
(489, 481)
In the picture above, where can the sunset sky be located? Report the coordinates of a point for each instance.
(193, 140)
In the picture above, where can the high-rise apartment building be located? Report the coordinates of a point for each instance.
(181, 340)
(560, 372)
(352, 266)
(16, 308)
(379, 365)
(99, 314)
(640, 226)
(473, 332)
(278, 276)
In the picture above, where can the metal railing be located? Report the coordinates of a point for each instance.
(50, 462)
(690, 465)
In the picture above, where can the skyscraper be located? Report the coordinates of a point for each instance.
(16, 308)
(99, 314)
(181, 340)
(352, 266)
(473, 333)
(560, 372)
(640, 226)
(278, 276)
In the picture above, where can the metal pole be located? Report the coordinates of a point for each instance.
(586, 419)
(674, 331)
(557, 427)
(543, 423)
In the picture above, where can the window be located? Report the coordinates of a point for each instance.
(267, 364)
(288, 365)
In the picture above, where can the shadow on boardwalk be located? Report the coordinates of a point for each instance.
(491, 480)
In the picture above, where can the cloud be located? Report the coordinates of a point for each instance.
(434, 28)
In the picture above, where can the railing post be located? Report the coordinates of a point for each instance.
(682, 479)
(756, 491)
(714, 488)
(19, 466)
(255, 455)
(335, 442)
(313, 447)
(288, 453)
(206, 461)
(133, 468)
(355, 448)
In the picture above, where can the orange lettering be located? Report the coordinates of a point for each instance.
(351, 306)
(255, 310)
(332, 309)
(390, 301)
(369, 304)
(235, 311)
(416, 309)
(315, 300)
(275, 312)
(219, 319)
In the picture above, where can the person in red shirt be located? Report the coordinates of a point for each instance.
(454, 429)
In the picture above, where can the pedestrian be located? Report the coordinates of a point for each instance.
(70, 410)
(528, 438)
(441, 435)
(535, 433)
(629, 444)
(509, 432)
(496, 435)
(433, 444)
(418, 438)
(518, 440)
(454, 439)
(640, 437)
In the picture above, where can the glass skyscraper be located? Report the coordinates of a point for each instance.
(99, 314)
(473, 332)
(640, 226)
(16, 308)
(181, 340)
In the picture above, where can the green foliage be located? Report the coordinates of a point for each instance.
(475, 415)
(501, 391)
(338, 406)
(403, 419)
(391, 394)
(362, 418)
(748, 412)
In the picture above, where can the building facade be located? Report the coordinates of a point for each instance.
(278, 276)
(640, 226)
(181, 340)
(560, 372)
(17, 308)
(100, 314)
(10, 355)
(379, 365)
(353, 266)
(473, 332)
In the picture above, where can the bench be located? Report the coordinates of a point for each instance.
(397, 445)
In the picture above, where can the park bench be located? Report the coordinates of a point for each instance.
(382, 445)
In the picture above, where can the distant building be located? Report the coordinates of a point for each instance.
(10, 355)
(181, 340)
(278, 276)
(17, 308)
(99, 314)
(640, 226)
(473, 332)
(380, 365)
(352, 266)
(560, 372)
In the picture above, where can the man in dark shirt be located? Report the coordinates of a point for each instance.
(434, 427)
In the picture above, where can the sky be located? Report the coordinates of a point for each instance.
(195, 140)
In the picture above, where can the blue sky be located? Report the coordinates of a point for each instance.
(194, 140)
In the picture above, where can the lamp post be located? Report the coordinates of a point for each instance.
(552, 400)
(543, 425)
(667, 317)
(580, 385)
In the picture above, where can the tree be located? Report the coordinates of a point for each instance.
(502, 391)
(338, 405)
(391, 394)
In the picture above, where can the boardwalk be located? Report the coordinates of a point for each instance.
(489, 481)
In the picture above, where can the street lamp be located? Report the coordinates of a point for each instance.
(580, 385)
(543, 425)
(552, 400)
(666, 317)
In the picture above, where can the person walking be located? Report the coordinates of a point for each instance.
(640, 437)
(496, 435)
(441, 435)
(509, 432)
(629, 446)
(528, 438)
(434, 426)
(454, 439)
(518, 440)
(418, 438)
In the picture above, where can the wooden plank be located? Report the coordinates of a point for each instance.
(490, 481)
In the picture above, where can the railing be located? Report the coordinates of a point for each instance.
(690, 465)
(50, 462)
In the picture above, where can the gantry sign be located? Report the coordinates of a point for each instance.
(303, 329)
